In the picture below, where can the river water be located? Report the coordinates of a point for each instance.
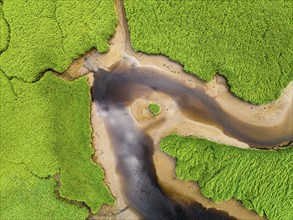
(113, 91)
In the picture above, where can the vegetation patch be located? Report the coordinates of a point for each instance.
(46, 126)
(4, 30)
(49, 34)
(261, 180)
(26, 196)
(154, 108)
(45, 121)
(249, 42)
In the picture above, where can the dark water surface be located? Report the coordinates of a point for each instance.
(134, 149)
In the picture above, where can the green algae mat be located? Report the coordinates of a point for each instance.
(261, 180)
(46, 166)
(248, 42)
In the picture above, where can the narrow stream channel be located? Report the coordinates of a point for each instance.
(113, 91)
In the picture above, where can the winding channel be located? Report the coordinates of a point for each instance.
(114, 91)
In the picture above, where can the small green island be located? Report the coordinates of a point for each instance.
(154, 108)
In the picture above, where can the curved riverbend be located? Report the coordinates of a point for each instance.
(126, 85)
(114, 91)
(134, 151)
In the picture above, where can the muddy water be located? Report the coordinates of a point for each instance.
(134, 151)
(113, 92)
(126, 85)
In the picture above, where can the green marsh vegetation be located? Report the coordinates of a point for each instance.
(4, 30)
(154, 108)
(49, 34)
(45, 126)
(45, 121)
(249, 42)
(26, 196)
(45, 131)
(261, 180)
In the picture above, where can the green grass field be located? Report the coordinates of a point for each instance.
(26, 196)
(45, 121)
(4, 31)
(261, 180)
(249, 42)
(46, 127)
(49, 34)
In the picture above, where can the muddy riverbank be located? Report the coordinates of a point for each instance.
(127, 90)
(133, 149)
